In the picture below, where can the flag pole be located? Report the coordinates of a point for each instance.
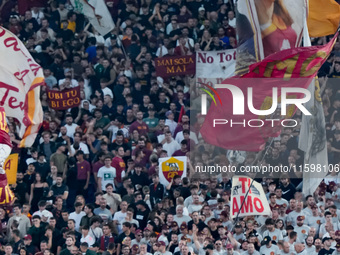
(253, 179)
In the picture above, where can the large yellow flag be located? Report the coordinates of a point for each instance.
(323, 18)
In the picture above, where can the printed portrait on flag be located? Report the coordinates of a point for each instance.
(267, 26)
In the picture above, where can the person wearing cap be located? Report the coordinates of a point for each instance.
(31, 249)
(272, 232)
(238, 232)
(162, 249)
(327, 243)
(301, 229)
(267, 248)
(185, 233)
(138, 237)
(209, 248)
(230, 250)
(164, 234)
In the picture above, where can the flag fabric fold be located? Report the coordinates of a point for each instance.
(289, 68)
(21, 78)
(97, 13)
(312, 139)
(323, 17)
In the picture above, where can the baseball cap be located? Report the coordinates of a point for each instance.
(331, 185)
(209, 246)
(224, 213)
(201, 9)
(337, 245)
(135, 247)
(326, 239)
(266, 240)
(300, 218)
(146, 228)
(161, 243)
(229, 246)
(183, 226)
(27, 237)
(174, 224)
(165, 227)
(138, 231)
(238, 225)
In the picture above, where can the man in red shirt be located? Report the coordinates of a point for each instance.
(139, 125)
(83, 173)
(119, 164)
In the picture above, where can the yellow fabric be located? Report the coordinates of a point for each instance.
(72, 26)
(323, 18)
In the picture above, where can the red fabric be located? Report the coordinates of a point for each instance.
(6, 195)
(293, 65)
(119, 164)
(181, 113)
(4, 136)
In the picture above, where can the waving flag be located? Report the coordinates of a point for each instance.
(294, 68)
(323, 17)
(97, 13)
(20, 81)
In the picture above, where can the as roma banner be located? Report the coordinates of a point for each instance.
(171, 166)
(175, 65)
(62, 100)
(255, 203)
(213, 67)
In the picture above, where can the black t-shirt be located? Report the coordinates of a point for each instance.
(325, 252)
(201, 225)
(59, 190)
(142, 218)
(122, 236)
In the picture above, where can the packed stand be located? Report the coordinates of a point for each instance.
(90, 182)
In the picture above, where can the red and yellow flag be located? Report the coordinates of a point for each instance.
(292, 68)
(323, 17)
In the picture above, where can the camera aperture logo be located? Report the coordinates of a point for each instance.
(276, 112)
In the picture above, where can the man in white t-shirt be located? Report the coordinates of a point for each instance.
(70, 126)
(106, 174)
(268, 248)
(119, 216)
(170, 144)
(77, 214)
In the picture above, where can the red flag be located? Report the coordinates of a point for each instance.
(292, 68)
(181, 113)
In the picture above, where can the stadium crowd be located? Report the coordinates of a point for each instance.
(90, 182)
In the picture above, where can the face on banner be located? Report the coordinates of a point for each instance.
(266, 27)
